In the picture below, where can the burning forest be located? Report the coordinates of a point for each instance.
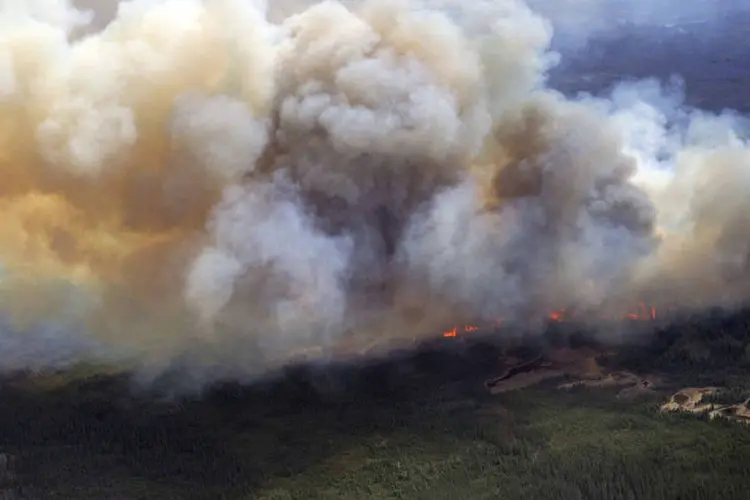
(219, 186)
(642, 312)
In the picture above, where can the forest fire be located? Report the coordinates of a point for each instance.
(642, 312)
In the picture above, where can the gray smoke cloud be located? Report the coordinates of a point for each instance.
(222, 187)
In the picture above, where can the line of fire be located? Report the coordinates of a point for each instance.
(642, 312)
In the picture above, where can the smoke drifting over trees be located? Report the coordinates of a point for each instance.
(225, 185)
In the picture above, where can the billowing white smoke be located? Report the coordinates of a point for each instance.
(229, 184)
(301, 288)
(579, 220)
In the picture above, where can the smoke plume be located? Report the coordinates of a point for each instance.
(222, 186)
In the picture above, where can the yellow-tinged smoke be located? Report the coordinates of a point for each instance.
(115, 147)
(221, 185)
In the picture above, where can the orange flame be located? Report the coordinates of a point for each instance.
(642, 312)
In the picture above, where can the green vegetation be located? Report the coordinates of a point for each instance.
(728, 396)
(414, 438)
(417, 428)
(710, 349)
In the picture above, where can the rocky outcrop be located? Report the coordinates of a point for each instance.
(691, 400)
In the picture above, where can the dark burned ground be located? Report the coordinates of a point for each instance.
(422, 426)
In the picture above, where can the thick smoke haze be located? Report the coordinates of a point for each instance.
(219, 187)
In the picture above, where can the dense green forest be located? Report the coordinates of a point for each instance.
(710, 348)
(421, 426)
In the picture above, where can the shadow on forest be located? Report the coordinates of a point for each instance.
(96, 436)
(95, 432)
